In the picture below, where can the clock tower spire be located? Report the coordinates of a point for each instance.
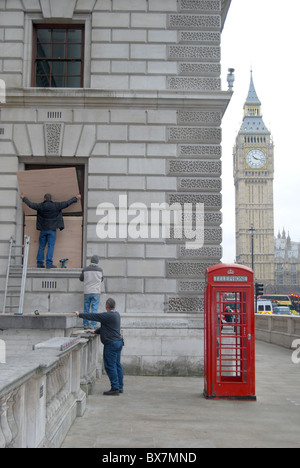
(253, 178)
(252, 100)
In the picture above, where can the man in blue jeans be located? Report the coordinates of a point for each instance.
(49, 218)
(92, 277)
(110, 334)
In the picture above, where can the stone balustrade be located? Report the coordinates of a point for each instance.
(281, 330)
(44, 389)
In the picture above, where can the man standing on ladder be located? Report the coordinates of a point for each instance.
(49, 218)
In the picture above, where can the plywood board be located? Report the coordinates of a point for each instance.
(68, 242)
(61, 183)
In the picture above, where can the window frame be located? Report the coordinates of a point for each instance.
(82, 181)
(36, 27)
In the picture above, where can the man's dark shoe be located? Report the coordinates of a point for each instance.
(112, 391)
(40, 266)
(51, 266)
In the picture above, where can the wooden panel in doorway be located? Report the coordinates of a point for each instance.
(68, 242)
(61, 183)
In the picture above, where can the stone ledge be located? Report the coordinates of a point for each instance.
(58, 343)
(42, 322)
(98, 98)
(162, 321)
(19, 369)
(53, 272)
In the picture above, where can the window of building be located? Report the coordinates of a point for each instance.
(293, 279)
(279, 279)
(58, 56)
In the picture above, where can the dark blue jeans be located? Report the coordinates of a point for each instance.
(46, 237)
(112, 363)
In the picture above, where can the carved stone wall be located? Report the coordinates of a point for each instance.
(53, 138)
(146, 124)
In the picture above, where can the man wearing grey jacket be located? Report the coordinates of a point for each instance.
(92, 277)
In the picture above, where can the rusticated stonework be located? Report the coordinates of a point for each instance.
(195, 167)
(146, 124)
(53, 133)
(198, 5)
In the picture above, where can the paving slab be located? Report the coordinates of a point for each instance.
(171, 412)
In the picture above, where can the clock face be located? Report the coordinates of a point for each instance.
(256, 158)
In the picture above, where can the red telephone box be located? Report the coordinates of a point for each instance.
(229, 358)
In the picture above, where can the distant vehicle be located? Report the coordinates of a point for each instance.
(279, 300)
(295, 299)
(264, 307)
(282, 310)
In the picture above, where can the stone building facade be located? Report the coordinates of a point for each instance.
(138, 111)
(287, 264)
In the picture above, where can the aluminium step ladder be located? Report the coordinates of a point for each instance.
(16, 276)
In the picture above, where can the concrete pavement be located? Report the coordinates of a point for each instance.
(170, 412)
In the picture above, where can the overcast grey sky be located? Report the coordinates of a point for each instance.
(264, 35)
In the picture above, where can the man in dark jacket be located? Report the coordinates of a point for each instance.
(110, 334)
(49, 218)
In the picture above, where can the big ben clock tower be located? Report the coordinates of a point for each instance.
(253, 178)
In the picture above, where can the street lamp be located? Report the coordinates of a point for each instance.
(252, 231)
